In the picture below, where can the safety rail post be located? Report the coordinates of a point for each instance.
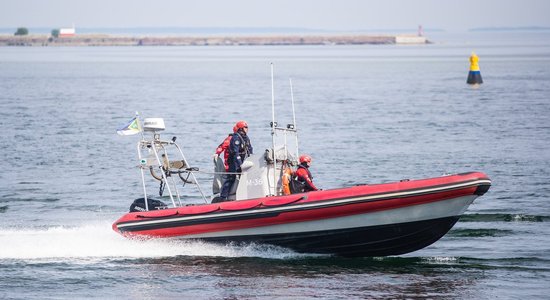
(173, 181)
(192, 174)
(139, 145)
(154, 147)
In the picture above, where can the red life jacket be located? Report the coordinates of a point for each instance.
(224, 147)
(303, 175)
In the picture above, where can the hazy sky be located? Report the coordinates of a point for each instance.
(340, 15)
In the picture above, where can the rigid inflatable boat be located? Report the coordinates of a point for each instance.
(363, 220)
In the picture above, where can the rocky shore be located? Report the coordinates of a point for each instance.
(110, 40)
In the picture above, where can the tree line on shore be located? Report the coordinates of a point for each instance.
(25, 31)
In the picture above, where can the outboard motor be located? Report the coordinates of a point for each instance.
(153, 204)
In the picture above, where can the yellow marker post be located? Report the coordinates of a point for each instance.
(474, 76)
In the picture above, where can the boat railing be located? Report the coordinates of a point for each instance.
(157, 157)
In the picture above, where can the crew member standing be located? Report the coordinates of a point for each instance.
(303, 175)
(239, 149)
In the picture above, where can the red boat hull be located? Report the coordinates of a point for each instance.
(366, 220)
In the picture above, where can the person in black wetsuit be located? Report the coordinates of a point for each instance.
(239, 149)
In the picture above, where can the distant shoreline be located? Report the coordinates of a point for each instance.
(510, 29)
(83, 40)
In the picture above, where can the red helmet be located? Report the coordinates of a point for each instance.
(241, 125)
(304, 158)
(235, 129)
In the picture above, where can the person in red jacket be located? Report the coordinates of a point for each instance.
(303, 175)
(223, 147)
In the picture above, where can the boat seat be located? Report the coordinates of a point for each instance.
(219, 178)
(174, 164)
(166, 165)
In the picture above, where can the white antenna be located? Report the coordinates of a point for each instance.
(273, 132)
(294, 117)
(140, 125)
(140, 159)
(272, 104)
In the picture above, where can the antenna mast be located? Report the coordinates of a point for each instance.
(294, 117)
(273, 125)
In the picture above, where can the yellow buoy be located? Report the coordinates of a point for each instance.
(474, 76)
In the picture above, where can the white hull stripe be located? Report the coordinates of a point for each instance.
(306, 206)
(450, 208)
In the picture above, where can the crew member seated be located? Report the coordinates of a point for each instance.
(302, 176)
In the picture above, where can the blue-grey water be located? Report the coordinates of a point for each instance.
(367, 114)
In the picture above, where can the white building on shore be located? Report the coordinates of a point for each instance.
(67, 32)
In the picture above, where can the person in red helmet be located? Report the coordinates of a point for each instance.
(223, 147)
(303, 175)
(239, 149)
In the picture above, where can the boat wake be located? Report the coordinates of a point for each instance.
(98, 241)
(496, 217)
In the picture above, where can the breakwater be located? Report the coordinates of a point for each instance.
(109, 40)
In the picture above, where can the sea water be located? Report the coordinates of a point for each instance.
(366, 114)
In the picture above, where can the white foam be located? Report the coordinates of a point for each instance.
(98, 240)
(440, 259)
